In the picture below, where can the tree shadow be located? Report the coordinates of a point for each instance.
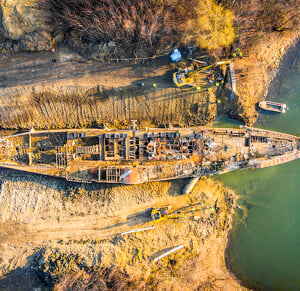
(24, 278)
(41, 68)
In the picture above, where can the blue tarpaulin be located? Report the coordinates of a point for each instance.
(175, 55)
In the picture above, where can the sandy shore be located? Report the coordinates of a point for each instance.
(50, 227)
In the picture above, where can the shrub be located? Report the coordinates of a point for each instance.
(212, 26)
(100, 279)
(130, 21)
(263, 16)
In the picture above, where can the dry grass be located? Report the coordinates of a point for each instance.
(114, 107)
(101, 279)
(256, 17)
(136, 24)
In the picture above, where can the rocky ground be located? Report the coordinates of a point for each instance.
(50, 227)
(22, 27)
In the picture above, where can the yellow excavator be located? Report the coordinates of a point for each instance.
(187, 76)
(162, 213)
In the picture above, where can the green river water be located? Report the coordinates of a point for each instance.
(265, 246)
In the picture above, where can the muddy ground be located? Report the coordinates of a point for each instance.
(63, 67)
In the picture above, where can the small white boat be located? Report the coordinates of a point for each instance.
(273, 106)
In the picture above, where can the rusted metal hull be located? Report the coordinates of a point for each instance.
(139, 156)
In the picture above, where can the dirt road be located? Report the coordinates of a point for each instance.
(49, 69)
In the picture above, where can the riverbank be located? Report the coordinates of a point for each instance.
(270, 198)
(76, 227)
(70, 93)
(256, 71)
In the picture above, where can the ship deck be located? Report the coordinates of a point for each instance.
(136, 156)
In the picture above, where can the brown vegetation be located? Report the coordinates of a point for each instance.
(155, 24)
(138, 24)
(124, 22)
(100, 279)
(258, 17)
(211, 27)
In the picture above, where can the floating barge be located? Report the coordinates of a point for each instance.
(133, 156)
(273, 106)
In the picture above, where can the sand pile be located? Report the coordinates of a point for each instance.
(52, 227)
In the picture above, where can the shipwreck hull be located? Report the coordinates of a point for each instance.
(139, 156)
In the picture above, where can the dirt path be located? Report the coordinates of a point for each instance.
(88, 227)
(36, 92)
(18, 71)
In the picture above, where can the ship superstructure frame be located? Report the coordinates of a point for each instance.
(132, 156)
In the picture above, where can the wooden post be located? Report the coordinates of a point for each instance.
(102, 148)
(126, 148)
(29, 151)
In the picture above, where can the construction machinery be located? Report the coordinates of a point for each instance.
(188, 75)
(158, 214)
